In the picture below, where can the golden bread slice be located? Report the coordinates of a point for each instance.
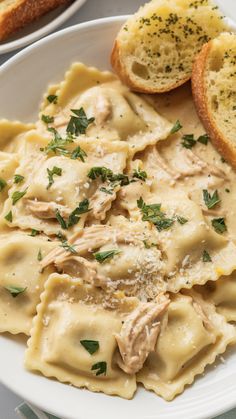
(155, 49)
(214, 92)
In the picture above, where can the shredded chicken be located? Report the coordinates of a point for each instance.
(80, 267)
(139, 333)
(102, 109)
(163, 164)
(89, 239)
(200, 166)
(101, 202)
(46, 210)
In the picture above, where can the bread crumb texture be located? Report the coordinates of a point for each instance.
(156, 47)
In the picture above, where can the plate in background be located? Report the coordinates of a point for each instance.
(41, 27)
(212, 393)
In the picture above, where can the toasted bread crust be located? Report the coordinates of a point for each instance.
(23, 12)
(119, 69)
(199, 90)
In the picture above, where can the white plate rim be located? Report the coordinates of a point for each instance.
(215, 410)
(43, 31)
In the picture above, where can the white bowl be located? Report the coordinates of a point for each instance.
(22, 81)
(41, 27)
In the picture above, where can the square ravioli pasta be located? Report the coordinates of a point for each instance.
(118, 113)
(73, 337)
(223, 294)
(22, 279)
(192, 336)
(56, 190)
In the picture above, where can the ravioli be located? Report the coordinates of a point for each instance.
(41, 201)
(223, 294)
(119, 114)
(192, 336)
(22, 279)
(70, 314)
(118, 214)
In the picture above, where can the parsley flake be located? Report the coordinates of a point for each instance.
(57, 144)
(40, 256)
(176, 127)
(140, 174)
(82, 208)
(78, 153)
(52, 99)
(206, 257)
(153, 214)
(17, 195)
(219, 225)
(9, 217)
(210, 200)
(103, 256)
(91, 346)
(78, 123)
(203, 139)
(101, 368)
(34, 232)
(56, 171)
(68, 247)
(18, 178)
(47, 119)
(107, 191)
(188, 141)
(61, 220)
(3, 183)
(15, 291)
(181, 220)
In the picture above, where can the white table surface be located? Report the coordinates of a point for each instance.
(93, 9)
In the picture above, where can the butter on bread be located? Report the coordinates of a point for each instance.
(15, 14)
(214, 92)
(155, 49)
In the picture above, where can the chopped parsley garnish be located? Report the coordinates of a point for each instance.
(57, 144)
(34, 232)
(82, 208)
(17, 195)
(47, 119)
(52, 99)
(91, 346)
(56, 171)
(78, 153)
(107, 191)
(210, 200)
(61, 220)
(78, 122)
(9, 217)
(68, 247)
(176, 127)
(3, 183)
(102, 172)
(181, 220)
(40, 256)
(107, 175)
(154, 214)
(203, 139)
(74, 218)
(18, 178)
(140, 174)
(108, 254)
(206, 257)
(219, 225)
(188, 140)
(101, 368)
(15, 291)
